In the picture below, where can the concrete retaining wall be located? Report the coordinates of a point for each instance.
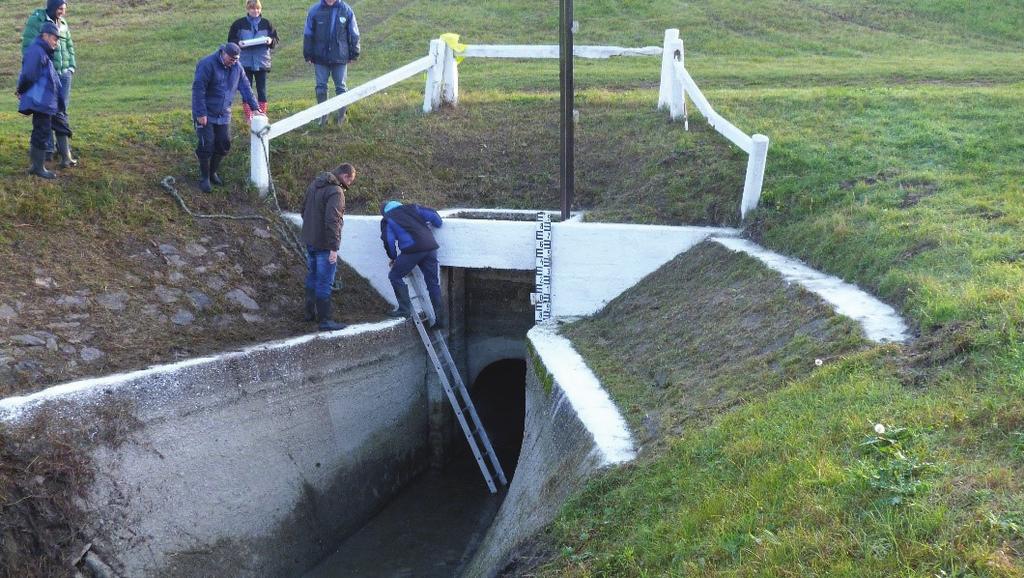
(254, 463)
(571, 430)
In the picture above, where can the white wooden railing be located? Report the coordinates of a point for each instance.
(442, 87)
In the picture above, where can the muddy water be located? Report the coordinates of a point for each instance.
(434, 526)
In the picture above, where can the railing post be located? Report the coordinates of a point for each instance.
(755, 174)
(676, 105)
(667, 72)
(259, 154)
(432, 91)
(450, 77)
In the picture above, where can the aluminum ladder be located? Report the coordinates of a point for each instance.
(455, 388)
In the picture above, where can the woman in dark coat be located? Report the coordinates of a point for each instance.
(257, 37)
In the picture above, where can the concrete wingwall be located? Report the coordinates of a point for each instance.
(254, 463)
(571, 430)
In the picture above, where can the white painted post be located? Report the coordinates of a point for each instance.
(676, 106)
(432, 91)
(259, 154)
(450, 78)
(671, 35)
(755, 174)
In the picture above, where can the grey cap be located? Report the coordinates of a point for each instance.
(231, 49)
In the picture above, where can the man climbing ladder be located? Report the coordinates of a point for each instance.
(409, 243)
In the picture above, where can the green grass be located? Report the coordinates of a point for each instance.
(894, 162)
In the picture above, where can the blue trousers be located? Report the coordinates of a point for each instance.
(427, 262)
(42, 130)
(335, 71)
(321, 272)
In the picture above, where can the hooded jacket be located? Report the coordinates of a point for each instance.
(323, 213)
(38, 84)
(214, 86)
(406, 227)
(64, 56)
(331, 35)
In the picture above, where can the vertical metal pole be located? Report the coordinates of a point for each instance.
(567, 172)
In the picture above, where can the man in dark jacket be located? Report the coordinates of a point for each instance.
(330, 41)
(38, 94)
(217, 78)
(323, 214)
(409, 243)
(63, 62)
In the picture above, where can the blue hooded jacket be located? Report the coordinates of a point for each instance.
(38, 84)
(406, 226)
(214, 86)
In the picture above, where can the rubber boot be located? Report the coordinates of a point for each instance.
(310, 305)
(440, 317)
(263, 107)
(38, 169)
(339, 116)
(64, 147)
(323, 315)
(204, 175)
(322, 121)
(404, 308)
(214, 165)
(248, 112)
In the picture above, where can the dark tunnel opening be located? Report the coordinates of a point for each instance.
(499, 394)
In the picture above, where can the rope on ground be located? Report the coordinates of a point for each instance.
(283, 229)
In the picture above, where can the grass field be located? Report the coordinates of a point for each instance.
(895, 162)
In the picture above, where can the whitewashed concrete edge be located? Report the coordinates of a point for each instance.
(592, 404)
(12, 407)
(881, 323)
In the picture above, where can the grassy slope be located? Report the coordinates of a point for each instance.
(894, 163)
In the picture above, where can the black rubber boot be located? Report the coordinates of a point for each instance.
(214, 165)
(440, 318)
(204, 175)
(323, 315)
(404, 308)
(64, 147)
(38, 169)
(310, 305)
(339, 116)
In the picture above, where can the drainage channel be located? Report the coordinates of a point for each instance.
(433, 527)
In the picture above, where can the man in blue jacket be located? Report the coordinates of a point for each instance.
(217, 78)
(38, 94)
(409, 242)
(330, 41)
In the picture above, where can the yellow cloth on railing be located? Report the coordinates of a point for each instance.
(452, 40)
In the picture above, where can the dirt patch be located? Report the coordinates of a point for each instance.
(82, 302)
(915, 190)
(881, 177)
(45, 471)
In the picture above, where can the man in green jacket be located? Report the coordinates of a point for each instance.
(63, 62)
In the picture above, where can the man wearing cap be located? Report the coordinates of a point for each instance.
(409, 243)
(217, 78)
(38, 95)
(63, 62)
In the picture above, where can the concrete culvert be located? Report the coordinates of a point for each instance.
(434, 526)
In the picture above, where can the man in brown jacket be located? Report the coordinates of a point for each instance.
(323, 214)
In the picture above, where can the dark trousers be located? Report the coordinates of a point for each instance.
(214, 139)
(42, 126)
(427, 262)
(320, 273)
(258, 78)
